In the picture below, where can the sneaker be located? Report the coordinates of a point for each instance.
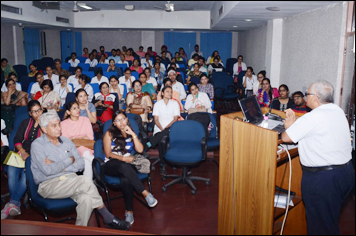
(5, 211)
(151, 201)
(15, 211)
(129, 217)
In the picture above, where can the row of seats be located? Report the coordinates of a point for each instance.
(84, 66)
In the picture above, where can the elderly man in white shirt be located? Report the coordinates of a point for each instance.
(324, 146)
(51, 76)
(177, 86)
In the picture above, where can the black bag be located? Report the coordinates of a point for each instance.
(203, 118)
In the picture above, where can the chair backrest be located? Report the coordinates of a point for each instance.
(125, 90)
(70, 97)
(116, 98)
(134, 125)
(109, 74)
(230, 64)
(135, 74)
(95, 87)
(82, 59)
(240, 78)
(26, 81)
(121, 65)
(72, 70)
(20, 110)
(104, 66)
(195, 80)
(29, 89)
(181, 64)
(85, 67)
(21, 70)
(90, 74)
(179, 130)
(65, 65)
(182, 72)
(18, 120)
(39, 64)
(214, 127)
(221, 80)
(47, 61)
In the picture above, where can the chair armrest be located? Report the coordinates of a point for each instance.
(144, 137)
(100, 177)
(204, 148)
(217, 94)
(164, 145)
(233, 88)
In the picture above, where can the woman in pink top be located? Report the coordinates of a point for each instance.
(79, 127)
(136, 65)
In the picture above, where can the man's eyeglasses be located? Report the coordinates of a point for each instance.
(37, 111)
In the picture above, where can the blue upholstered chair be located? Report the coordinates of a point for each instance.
(104, 66)
(55, 206)
(185, 151)
(230, 65)
(105, 182)
(109, 74)
(135, 74)
(84, 66)
(21, 70)
(90, 74)
(95, 87)
(65, 65)
(26, 81)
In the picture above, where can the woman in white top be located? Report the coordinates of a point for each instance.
(197, 99)
(73, 61)
(13, 76)
(146, 62)
(63, 88)
(103, 59)
(99, 78)
(122, 60)
(115, 87)
(51, 76)
(91, 60)
(248, 81)
(239, 66)
(84, 81)
(74, 79)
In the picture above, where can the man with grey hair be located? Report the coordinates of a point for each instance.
(325, 153)
(54, 163)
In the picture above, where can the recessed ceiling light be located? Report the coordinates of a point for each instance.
(248, 20)
(273, 8)
(235, 26)
(86, 7)
(129, 7)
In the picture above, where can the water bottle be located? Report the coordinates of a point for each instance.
(264, 123)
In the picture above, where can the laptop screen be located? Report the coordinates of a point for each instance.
(251, 109)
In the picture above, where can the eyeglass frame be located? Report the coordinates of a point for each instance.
(37, 111)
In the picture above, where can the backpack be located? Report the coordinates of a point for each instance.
(203, 118)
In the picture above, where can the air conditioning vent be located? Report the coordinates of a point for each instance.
(221, 10)
(63, 20)
(11, 9)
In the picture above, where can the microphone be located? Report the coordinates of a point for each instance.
(271, 115)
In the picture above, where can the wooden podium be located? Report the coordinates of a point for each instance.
(249, 170)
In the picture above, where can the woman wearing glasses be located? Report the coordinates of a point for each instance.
(27, 132)
(284, 101)
(79, 127)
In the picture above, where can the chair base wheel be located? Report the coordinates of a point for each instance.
(207, 183)
(164, 189)
(193, 192)
(153, 168)
(163, 178)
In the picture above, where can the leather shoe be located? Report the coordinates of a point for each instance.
(118, 224)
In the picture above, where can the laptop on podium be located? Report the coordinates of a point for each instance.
(253, 114)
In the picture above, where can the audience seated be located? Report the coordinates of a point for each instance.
(48, 98)
(95, 53)
(117, 88)
(206, 87)
(266, 94)
(84, 81)
(197, 99)
(27, 132)
(150, 79)
(174, 67)
(193, 60)
(173, 61)
(194, 73)
(283, 102)
(175, 94)
(92, 61)
(182, 53)
(119, 141)
(86, 52)
(99, 78)
(248, 82)
(10, 100)
(37, 86)
(58, 68)
(127, 79)
(157, 73)
(124, 50)
(202, 67)
(164, 48)
(140, 52)
(74, 61)
(216, 66)
(300, 105)
(113, 68)
(146, 62)
(165, 60)
(48, 164)
(177, 86)
(6, 68)
(165, 113)
(79, 127)
(177, 56)
(105, 103)
(51, 76)
(33, 70)
(136, 65)
(260, 76)
(103, 59)
(102, 52)
(13, 76)
(147, 87)
(74, 79)
(123, 61)
(138, 99)
(87, 108)
(129, 56)
(196, 51)
(63, 88)
(162, 66)
(114, 56)
(212, 57)
(239, 66)
(150, 52)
